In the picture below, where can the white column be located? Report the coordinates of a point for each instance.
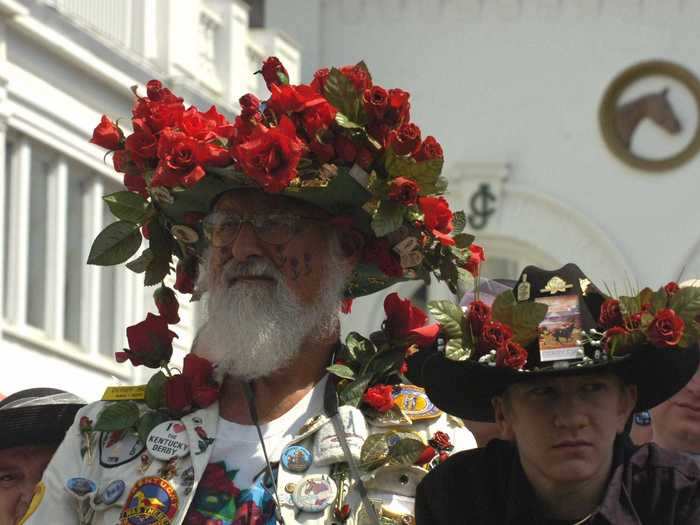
(90, 289)
(233, 59)
(56, 239)
(144, 28)
(18, 238)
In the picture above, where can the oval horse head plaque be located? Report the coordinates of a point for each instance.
(644, 94)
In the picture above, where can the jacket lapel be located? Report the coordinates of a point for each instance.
(201, 430)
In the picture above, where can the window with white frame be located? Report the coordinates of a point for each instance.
(54, 211)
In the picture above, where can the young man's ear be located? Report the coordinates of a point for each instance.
(501, 414)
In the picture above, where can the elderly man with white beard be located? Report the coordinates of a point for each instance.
(323, 193)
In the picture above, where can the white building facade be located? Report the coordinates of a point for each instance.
(62, 64)
(512, 89)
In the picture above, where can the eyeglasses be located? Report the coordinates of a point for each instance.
(221, 229)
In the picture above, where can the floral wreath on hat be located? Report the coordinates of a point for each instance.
(341, 143)
(498, 334)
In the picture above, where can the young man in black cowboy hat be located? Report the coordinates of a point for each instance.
(563, 396)
(33, 423)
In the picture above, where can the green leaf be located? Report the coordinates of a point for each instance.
(425, 173)
(345, 122)
(406, 451)
(341, 371)
(352, 394)
(459, 221)
(148, 422)
(115, 244)
(359, 349)
(523, 318)
(159, 266)
(127, 206)
(686, 302)
(140, 264)
(463, 240)
(155, 391)
(658, 300)
(629, 305)
(388, 218)
(375, 452)
(120, 415)
(341, 93)
(455, 351)
(450, 317)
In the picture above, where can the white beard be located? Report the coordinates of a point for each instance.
(256, 328)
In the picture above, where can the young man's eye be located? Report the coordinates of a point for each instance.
(593, 387)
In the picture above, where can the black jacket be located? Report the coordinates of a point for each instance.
(487, 486)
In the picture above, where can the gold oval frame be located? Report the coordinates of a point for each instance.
(608, 104)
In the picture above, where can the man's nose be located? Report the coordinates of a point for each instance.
(568, 413)
(246, 243)
(26, 492)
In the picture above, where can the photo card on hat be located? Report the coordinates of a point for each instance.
(561, 330)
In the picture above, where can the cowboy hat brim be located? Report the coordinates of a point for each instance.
(465, 388)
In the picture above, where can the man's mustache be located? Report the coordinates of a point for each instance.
(255, 267)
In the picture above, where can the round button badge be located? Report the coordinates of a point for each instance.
(168, 440)
(296, 458)
(314, 493)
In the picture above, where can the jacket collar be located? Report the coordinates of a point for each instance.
(201, 428)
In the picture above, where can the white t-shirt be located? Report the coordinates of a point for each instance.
(239, 445)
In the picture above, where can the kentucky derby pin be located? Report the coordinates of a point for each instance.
(314, 493)
(151, 501)
(168, 440)
(413, 402)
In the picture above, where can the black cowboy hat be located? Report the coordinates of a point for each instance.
(37, 416)
(465, 388)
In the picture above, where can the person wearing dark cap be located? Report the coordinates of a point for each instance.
(560, 368)
(33, 423)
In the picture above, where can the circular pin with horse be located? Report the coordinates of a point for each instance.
(650, 116)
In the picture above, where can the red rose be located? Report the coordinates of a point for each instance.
(478, 314)
(107, 134)
(178, 395)
(376, 100)
(250, 105)
(345, 148)
(398, 108)
(380, 253)
(476, 257)
(441, 441)
(379, 397)
(380, 131)
(324, 152)
(167, 304)
(206, 127)
(157, 93)
(318, 118)
(404, 190)
(610, 314)
(293, 99)
(405, 322)
(198, 372)
(512, 355)
(274, 72)
(358, 76)
(437, 218)
(319, 81)
(405, 140)
(270, 156)
(494, 335)
(430, 149)
(136, 183)
(666, 330)
(185, 275)
(142, 143)
(671, 288)
(179, 162)
(150, 343)
(346, 305)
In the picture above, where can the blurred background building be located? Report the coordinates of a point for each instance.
(521, 93)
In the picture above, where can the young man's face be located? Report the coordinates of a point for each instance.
(565, 427)
(21, 469)
(677, 421)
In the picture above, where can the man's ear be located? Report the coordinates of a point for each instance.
(502, 416)
(628, 400)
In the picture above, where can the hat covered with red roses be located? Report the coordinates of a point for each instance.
(559, 323)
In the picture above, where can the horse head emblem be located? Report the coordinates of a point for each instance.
(654, 106)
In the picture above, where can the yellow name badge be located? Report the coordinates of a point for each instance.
(124, 393)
